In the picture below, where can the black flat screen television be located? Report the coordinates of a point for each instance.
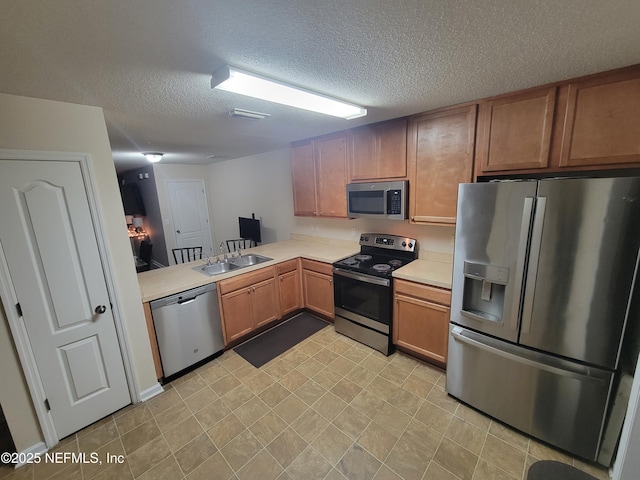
(250, 228)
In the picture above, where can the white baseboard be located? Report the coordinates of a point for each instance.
(37, 449)
(151, 392)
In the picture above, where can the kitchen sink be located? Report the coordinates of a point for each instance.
(232, 264)
(216, 268)
(250, 259)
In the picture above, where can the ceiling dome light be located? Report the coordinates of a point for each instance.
(153, 157)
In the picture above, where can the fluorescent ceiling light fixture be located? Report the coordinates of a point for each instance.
(153, 157)
(239, 112)
(235, 80)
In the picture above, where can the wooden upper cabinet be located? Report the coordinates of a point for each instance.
(331, 175)
(319, 174)
(378, 152)
(514, 131)
(304, 178)
(602, 123)
(440, 156)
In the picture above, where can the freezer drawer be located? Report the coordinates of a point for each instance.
(554, 400)
(188, 328)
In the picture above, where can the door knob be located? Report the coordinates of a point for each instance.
(100, 309)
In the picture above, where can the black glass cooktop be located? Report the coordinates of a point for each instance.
(380, 255)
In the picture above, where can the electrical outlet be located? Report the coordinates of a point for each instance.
(353, 232)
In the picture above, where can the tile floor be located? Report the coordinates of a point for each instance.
(329, 408)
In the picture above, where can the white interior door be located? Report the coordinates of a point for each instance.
(190, 214)
(47, 235)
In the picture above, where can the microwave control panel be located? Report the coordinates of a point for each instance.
(394, 202)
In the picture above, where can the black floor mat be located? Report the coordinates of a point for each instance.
(552, 470)
(267, 346)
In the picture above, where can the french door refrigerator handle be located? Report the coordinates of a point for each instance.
(532, 270)
(586, 374)
(527, 209)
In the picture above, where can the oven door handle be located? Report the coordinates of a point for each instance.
(385, 282)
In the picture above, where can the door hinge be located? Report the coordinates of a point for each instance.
(19, 309)
(47, 405)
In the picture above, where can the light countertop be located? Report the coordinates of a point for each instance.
(162, 282)
(166, 281)
(429, 272)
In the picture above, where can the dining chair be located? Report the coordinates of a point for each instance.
(240, 243)
(187, 254)
(144, 254)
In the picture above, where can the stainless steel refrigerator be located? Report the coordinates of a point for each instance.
(543, 282)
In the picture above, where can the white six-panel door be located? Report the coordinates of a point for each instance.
(49, 242)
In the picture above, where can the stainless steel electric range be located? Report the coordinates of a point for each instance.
(363, 288)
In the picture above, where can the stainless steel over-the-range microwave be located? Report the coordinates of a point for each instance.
(378, 200)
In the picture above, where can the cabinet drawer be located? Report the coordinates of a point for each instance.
(424, 292)
(288, 266)
(244, 280)
(315, 266)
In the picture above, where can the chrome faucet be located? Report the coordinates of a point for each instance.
(223, 252)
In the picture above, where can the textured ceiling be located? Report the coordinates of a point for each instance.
(148, 63)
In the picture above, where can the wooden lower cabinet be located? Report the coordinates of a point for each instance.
(317, 282)
(289, 286)
(248, 302)
(421, 320)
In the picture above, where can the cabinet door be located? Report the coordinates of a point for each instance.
(421, 327)
(290, 292)
(331, 174)
(514, 131)
(264, 301)
(378, 151)
(362, 153)
(602, 125)
(304, 178)
(237, 314)
(441, 157)
(391, 149)
(318, 292)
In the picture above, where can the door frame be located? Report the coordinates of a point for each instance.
(9, 297)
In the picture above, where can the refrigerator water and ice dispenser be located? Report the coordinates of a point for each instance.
(484, 287)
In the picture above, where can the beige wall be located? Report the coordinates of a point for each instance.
(33, 124)
(259, 184)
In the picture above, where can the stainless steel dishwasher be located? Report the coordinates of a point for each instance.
(188, 328)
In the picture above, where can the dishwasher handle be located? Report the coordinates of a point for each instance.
(187, 300)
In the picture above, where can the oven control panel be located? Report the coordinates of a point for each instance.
(393, 242)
